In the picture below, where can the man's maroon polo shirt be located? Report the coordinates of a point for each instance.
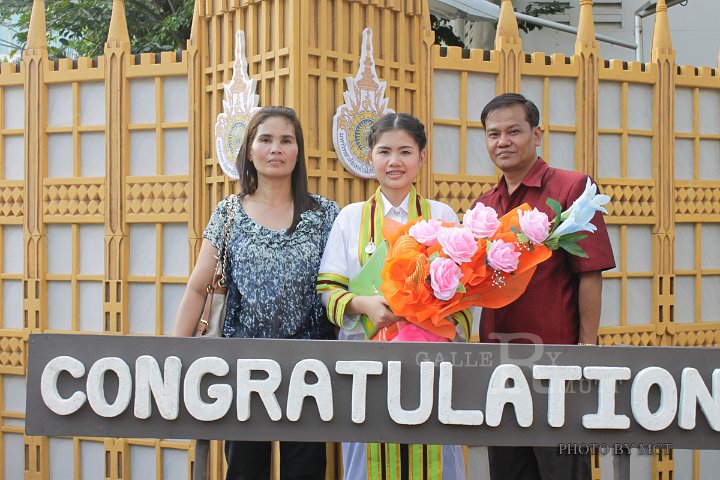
(548, 310)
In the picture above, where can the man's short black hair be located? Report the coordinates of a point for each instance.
(532, 115)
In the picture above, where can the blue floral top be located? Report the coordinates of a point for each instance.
(271, 276)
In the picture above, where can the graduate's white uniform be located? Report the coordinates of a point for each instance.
(341, 258)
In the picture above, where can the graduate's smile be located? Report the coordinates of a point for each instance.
(394, 174)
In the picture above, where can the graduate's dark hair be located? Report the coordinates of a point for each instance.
(398, 121)
(302, 200)
(532, 115)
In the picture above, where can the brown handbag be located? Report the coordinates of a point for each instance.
(213, 313)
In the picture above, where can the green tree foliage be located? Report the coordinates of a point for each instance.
(82, 25)
(444, 34)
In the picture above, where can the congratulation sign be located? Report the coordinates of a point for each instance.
(238, 106)
(365, 102)
(447, 393)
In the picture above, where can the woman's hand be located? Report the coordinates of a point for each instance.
(376, 308)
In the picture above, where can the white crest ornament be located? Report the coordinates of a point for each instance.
(238, 106)
(365, 103)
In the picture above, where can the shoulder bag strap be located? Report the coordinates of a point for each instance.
(217, 282)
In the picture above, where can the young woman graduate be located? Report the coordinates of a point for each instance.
(397, 151)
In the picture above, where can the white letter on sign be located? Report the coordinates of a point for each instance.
(665, 414)
(606, 416)
(446, 414)
(321, 391)
(359, 369)
(558, 375)
(96, 387)
(265, 387)
(427, 382)
(693, 391)
(49, 390)
(196, 406)
(498, 395)
(166, 392)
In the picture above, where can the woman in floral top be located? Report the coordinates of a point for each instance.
(274, 249)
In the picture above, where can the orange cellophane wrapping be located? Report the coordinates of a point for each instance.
(406, 288)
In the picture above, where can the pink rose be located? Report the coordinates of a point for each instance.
(482, 220)
(445, 277)
(534, 224)
(503, 256)
(458, 243)
(426, 232)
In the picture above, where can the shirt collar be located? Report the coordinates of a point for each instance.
(532, 179)
(534, 176)
(387, 206)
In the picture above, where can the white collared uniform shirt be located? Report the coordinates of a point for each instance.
(341, 251)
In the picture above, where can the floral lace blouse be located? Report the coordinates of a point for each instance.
(271, 276)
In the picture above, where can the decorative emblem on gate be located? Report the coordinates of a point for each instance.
(365, 102)
(238, 106)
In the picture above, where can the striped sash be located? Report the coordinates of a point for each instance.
(391, 461)
(373, 215)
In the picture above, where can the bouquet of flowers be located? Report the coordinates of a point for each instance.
(433, 269)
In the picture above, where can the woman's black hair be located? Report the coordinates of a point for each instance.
(302, 200)
(398, 121)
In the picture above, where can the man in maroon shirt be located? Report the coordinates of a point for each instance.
(562, 302)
